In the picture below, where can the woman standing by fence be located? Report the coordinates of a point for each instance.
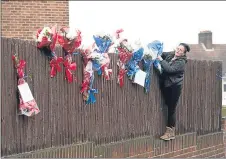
(173, 65)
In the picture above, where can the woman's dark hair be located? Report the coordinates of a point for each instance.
(186, 46)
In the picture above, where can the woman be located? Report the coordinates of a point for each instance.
(173, 65)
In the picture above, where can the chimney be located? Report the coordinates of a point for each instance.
(205, 38)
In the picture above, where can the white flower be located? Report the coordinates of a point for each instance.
(96, 56)
(136, 45)
(46, 31)
(100, 34)
(72, 34)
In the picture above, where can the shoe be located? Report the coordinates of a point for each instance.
(169, 134)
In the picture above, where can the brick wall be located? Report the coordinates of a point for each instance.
(21, 19)
(184, 146)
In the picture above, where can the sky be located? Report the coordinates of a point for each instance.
(171, 22)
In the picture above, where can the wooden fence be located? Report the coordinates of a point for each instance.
(119, 113)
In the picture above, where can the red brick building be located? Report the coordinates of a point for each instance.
(20, 19)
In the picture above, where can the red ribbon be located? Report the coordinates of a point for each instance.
(69, 67)
(86, 82)
(19, 66)
(118, 32)
(55, 65)
(121, 77)
(106, 72)
(104, 68)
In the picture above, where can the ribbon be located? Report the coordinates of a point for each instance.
(86, 74)
(20, 68)
(106, 72)
(118, 33)
(85, 86)
(147, 68)
(91, 98)
(121, 74)
(86, 81)
(55, 65)
(19, 65)
(69, 67)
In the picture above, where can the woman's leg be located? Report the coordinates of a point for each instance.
(171, 95)
(175, 95)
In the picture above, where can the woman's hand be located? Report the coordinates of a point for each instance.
(159, 58)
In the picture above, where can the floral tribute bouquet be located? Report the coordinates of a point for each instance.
(27, 104)
(46, 39)
(69, 40)
(88, 77)
(95, 58)
(132, 66)
(151, 51)
(99, 56)
(125, 52)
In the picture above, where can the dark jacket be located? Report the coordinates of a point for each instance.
(173, 71)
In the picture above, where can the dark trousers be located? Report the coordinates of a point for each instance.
(171, 95)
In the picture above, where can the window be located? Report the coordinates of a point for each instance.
(224, 87)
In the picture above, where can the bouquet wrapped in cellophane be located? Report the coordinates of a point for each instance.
(27, 104)
(95, 59)
(88, 77)
(70, 40)
(125, 52)
(100, 57)
(132, 66)
(151, 51)
(46, 39)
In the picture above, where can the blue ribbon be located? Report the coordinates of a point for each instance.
(97, 67)
(132, 65)
(147, 68)
(91, 99)
(91, 92)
